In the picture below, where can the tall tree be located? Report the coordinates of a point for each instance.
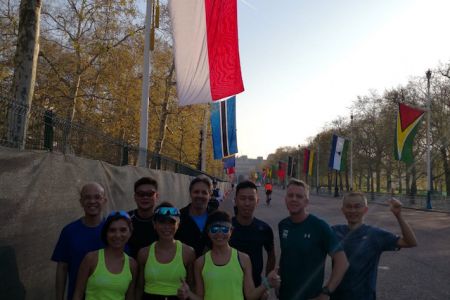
(25, 62)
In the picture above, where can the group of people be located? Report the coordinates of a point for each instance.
(157, 251)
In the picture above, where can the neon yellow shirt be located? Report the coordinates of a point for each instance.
(164, 279)
(223, 282)
(105, 285)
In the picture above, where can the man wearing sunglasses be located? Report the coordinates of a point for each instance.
(78, 238)
(145, 196)
(251, 235)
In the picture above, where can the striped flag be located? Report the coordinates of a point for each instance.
(206, 50)
(308, 162)
(338, 155)
(223, 124)
(408, 119)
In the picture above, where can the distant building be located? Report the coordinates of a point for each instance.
(245, 167)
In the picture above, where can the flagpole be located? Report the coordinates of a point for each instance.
(351, 151)
(429, 179)
(317, 165)
(205, 132)
(143, 132)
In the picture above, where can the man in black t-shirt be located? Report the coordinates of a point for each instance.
(250, 235)
(145, 196)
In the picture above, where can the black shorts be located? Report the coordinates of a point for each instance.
(157, 297)
(268, 192)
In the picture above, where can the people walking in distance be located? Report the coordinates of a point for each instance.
(268, 188)
(224, 273)
(217, 192)
(78, 238)
(251, 235)
(364, 244)
(166, 261)
(305, 242)
(109, 273)
(193, 217)
(145, 196)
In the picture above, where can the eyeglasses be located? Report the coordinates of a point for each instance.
(121, 213)
(216, 228)
(167, 211)
(145, 194)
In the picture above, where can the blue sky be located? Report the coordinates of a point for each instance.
(304, 62)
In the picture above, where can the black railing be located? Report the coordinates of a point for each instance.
(47, 131)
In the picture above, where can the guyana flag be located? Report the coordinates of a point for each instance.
(408, 119)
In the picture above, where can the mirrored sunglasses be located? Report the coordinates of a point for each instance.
(145, 194)
(168, 211)
(216, 228)
(121, 213)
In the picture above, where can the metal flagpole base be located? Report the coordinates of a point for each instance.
(429, 200)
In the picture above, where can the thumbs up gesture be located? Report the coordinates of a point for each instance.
(183, 290)
(273, 278)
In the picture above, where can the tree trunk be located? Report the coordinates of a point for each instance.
(25, 62)
(446, 165)
(165, 112)
(413, 189)
(71, 115)
(407, 180)
(378, 178)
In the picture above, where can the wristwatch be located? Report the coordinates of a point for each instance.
(326, 291)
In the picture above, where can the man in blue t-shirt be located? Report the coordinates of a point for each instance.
(78, 238)
(364, 244)
(251, 235)
(305, 242)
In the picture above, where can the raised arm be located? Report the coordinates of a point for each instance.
(408, 238)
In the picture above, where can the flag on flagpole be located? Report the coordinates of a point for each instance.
(308, 162)
(408, 119)
(229, 161)
(223, 124)
(338, 155)
(206, 50)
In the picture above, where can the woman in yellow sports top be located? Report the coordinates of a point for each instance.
(224, 273)
(109, 274)
(167, 262)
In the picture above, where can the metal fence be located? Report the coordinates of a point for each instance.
(438, 202)
(49, 132)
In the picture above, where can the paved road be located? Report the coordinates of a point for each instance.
(421, 273)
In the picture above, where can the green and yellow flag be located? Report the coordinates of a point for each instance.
(408, 119)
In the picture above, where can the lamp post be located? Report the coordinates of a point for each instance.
(351, 151)
(429, 179)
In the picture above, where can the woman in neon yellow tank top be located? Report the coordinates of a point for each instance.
(225, 273)
(166, 262)
(109, 274)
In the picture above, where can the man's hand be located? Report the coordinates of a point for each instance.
(395, 206)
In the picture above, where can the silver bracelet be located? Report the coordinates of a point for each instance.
(266, 283)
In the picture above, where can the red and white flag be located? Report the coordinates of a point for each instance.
(206, 50)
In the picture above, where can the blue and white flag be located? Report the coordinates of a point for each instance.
(223, 124)
(338, 155)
